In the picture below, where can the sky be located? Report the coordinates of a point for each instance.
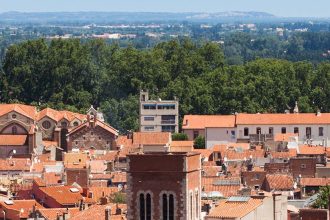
(285, 8)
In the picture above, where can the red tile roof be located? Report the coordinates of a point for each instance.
(59, 115)
(284, 137)
(62, 194)
(151, 138)
(315, 181)
(282, 119)
(98, 212)
(12, 140)
(23, 207)
(209, 184)
(280, 181)
(26, 110)
(311, 150)
(98, 123)
(231, 210)
(53, 213)
(15, 164)
(210, 121)
(286, 154)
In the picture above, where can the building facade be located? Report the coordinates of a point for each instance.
(158, 115)
(174, 194)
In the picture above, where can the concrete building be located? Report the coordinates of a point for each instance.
(158, 115)
(163, 185)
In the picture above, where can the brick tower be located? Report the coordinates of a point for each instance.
(164, 185)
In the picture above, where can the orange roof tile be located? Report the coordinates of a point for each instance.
(282, 119)
(210, 121)
(14, 164)
(227, 209)
(315, 181)
(24, 207)
(287, 154)
(210, 184)
(211, 170)
(280, 181)
(98, 123)
(59, 115)
(205, 153)
(12, 140)
(75, 160)
(52, 213)
(118, 177)
(62, 194)
(311, 150)
(98, 212)
(99, 192)
(284, 137)
(151, 138)
(26, 110)
(109, 156)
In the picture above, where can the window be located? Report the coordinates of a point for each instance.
(64, 124)
(168, 128)
(14, 130)
(149, 128)
(149, 118)
(257, 176)
(76, 143)
(142, 207)
(148, 207)
(246, 131)
(196, 134)
(296, 130)
(233, 134)
(258, 130)
(14, 116)
(166, 106)
(283, 130)
(75, 123)
(171, 207)
(168, 119)
(46, 124)
(165, 207)
(271, 130)
(303, 166)
(149, 106)
(320, 131)
(308, 132)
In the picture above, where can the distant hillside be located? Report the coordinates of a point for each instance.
(99, 17)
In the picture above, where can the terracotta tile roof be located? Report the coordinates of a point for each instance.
(109, 156)
(97, 166)
(24, 207)
(315, 181)
(26, 110)
(151, 138)
(227, 209)
(282, 119)
(118, 177)
(52, 213)
(52, 178)
(98, 212)
(211, 170)
(205, 153)
(62, 194)
(75, 160)
(99, 192)
(284, 137)
(15, 164)
(287, 154)
(210, 184)
(48, 144)
(280, 181)
(98, 123)
(311, 150)
(12, 140)
(59, 115)
(123, 140)
(223, 147)
(97, 176)
(210, 121)
(241, 155)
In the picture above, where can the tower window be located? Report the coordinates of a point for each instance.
(171, 207)
(142, 207)
(165, 207)
(14, 130)
(148, 207)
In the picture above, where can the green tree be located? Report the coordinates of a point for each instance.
(322, 201)
(199, 142)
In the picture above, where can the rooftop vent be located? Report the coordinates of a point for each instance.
(9, 202)
(74, 190)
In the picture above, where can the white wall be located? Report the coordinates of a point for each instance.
(289, 129)
(214, 136)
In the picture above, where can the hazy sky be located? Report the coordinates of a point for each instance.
(289, 8)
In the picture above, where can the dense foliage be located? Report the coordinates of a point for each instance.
(73, 75)
(322, 201)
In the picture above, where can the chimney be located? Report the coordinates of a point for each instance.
(318, 113)
(108, 213)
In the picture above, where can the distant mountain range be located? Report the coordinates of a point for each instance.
(116, 17)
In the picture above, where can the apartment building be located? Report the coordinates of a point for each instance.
(158, 115)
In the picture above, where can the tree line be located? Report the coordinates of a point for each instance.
(70, 74)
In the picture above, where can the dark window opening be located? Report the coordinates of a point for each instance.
(196, 134)
(165, 207)
(258, 130)
(308, 132)
(296, 130)
(320, 131)
(14, 130)
(246, 131)
(171, 208)
(148, 207)
(142, 207)
(283, 130)
(271, 130)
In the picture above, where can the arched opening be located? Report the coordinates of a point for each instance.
(14, 129)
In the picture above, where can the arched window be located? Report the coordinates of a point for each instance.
(171, 208)
(75, 123)
(14, 130)
(148, 207)
(142, 207)
(165, 207)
